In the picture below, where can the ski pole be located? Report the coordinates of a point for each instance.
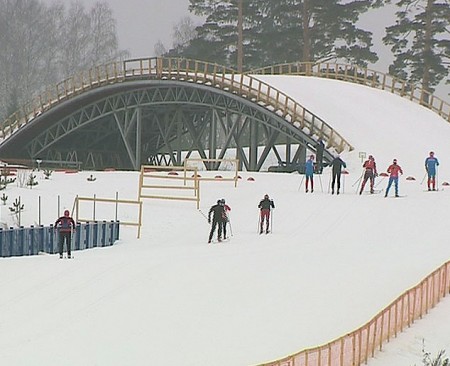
(320, 181)
(437, 180)
(259, 223)
(206, 217)
(271, 220)
(69, 244)
(358, 180)
(381, 180)
(301, 182)
(343, 184)
(329, 182)
(229, 223)
(423, 179)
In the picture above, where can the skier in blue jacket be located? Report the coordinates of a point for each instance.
(431, 162)
(309, 173)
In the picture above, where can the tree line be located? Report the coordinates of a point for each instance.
(41, 45)
(247, 34)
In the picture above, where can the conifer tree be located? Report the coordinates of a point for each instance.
(282, 31)
(420, 42)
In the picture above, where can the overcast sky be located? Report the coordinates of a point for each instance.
(141, 23)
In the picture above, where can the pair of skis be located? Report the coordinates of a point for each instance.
(66, 257)
(216, 241)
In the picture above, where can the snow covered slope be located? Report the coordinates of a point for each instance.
(331, 263)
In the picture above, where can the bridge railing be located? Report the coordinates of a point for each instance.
(243, 85)
(364, 76)
(69, 88)
(355, 348)
(185, 70)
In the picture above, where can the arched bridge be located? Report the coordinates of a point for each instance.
(162, 110)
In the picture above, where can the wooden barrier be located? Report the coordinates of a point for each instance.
(150, 171)
(234, 179)
(355, 348)
(116, 201)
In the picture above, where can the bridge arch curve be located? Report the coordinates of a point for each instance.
(122, 115)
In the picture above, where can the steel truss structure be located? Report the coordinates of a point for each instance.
(163, 122)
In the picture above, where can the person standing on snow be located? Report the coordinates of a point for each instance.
(309, 173)
(226, 219)
(394, 170)
(65, 225)
(431, 163)
(370, 172)
(320, 146)
(265, 206)
(218, 213)
(337, 164)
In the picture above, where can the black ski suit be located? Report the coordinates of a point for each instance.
(218, 212)
(337, 164)
(319, 157)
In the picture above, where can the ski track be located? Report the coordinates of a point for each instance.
(330, 264)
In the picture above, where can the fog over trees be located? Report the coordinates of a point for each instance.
(44, 44)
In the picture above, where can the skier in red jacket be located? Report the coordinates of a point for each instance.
(370, 173)
(394, 170)
(265, 205)
(65, 225)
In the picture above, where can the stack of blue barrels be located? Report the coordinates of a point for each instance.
(44, 239)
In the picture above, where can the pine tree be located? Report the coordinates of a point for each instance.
(216, 39)
(420, 42)
(32, 181)
(282, 31)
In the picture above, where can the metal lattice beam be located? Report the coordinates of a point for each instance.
(167, 119)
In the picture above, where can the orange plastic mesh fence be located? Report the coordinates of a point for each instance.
(357, 347)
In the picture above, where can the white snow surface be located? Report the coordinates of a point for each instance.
(330, 264)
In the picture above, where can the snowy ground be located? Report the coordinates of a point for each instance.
(331, 263)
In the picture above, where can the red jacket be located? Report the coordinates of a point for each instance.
(66, 224)
(370, 165)
(394, 169)
(226, 208)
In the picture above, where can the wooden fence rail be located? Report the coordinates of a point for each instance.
(364, 76)
(355, 348)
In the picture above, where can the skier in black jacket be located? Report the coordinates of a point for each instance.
(337, 164)
(265, 205)
(218, 212)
